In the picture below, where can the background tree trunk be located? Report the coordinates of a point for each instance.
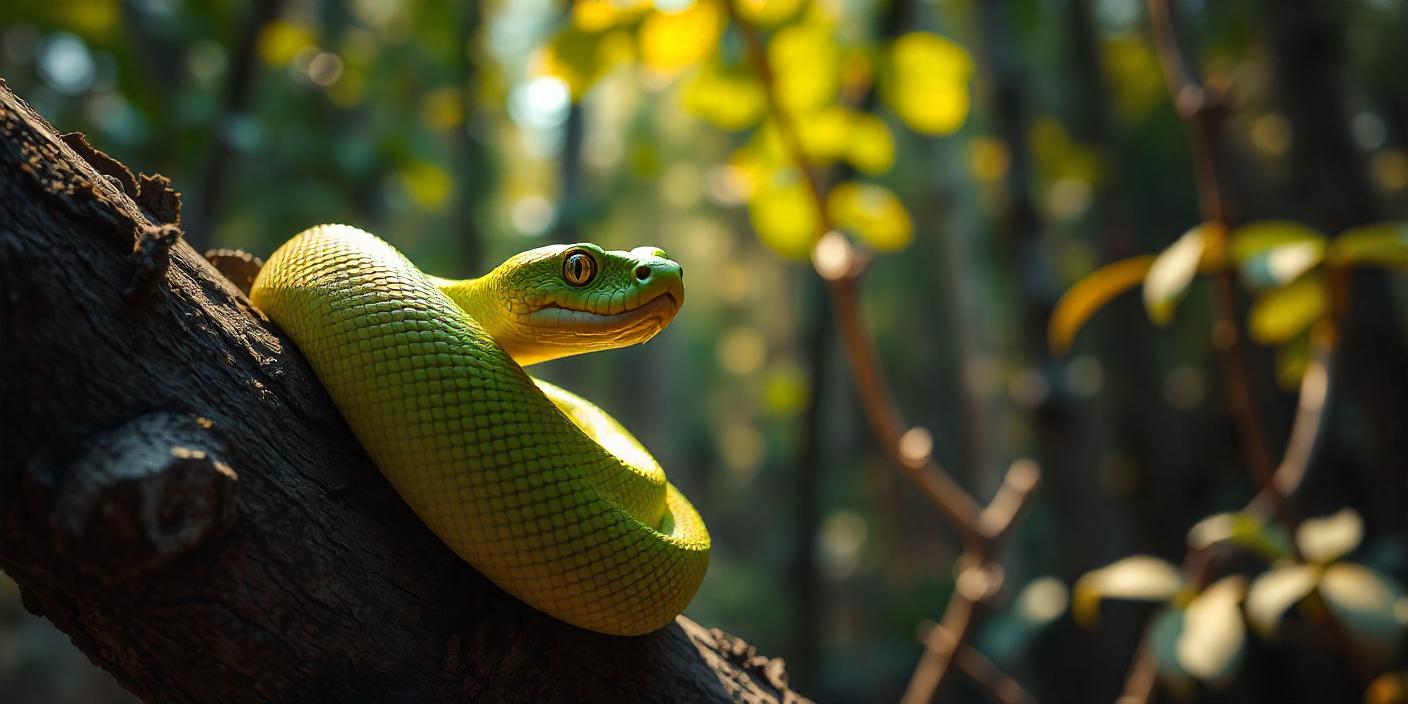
(180, 497)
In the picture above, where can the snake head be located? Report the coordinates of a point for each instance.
(561, 300)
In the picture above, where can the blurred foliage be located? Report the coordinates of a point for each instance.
(466, 133)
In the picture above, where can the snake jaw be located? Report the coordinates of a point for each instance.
(632, 325)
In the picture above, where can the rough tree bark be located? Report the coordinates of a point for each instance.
(180, 497)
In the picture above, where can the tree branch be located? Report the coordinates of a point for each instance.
(179, 495)
(909, 448)
(1200, 112)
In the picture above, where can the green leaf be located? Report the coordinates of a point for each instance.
(1382, 244)
(1090, 294)
(1273, 593)
(1364, 602)
(1280, 314)
(1329, 538)
(1213, 639)
(1282, 264)
(1141, 578)
(1256, 238)
(1172, 271)
(1266, 539)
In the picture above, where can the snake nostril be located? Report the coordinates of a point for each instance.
(642, 272)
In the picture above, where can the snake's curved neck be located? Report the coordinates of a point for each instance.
(476, 298)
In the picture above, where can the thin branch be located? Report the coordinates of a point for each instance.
(1201, 111)
(944, 641)
(1309, 422)
(1275, 487)
(1002, 687)
(909, 448)
(841, 266)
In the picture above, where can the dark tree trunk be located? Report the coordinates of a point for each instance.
(180, 497)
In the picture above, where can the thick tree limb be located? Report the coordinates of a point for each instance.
(180, 497)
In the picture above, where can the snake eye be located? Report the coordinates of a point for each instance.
(578, 268)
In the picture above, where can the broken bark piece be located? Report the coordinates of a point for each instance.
(152, 256)
(239, 266)
(159, 199)
(102, 163)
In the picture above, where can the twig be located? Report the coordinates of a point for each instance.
(1308, 424)
(1201, 111)
(982, 531)
(1275, 487)
(973, 663)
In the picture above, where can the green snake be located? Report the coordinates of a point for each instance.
(541, 491)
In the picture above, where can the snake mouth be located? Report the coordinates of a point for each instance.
(647, 318)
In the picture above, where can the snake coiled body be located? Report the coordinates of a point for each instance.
(513, 474)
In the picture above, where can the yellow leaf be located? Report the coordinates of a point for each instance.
(428, 184)
(598, 15)
(929, 86)
(1382, 244)
(1329, 538)
(824, 134)
(1282, 313)
(1060, 156)
(871, 148)
(1135, 78)
(1275, 592)
(1256, 238)
(1138, 577)
(1172, 271)
(673, 41)
(784, 216)
(281, 40)
(1282, 263)
(729, 98)
(1213, 638)
(768, 13)
(806, 65)
(1244, 530)
(97, 21)
(749, 170)
(874, 213)
(1090, 294)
